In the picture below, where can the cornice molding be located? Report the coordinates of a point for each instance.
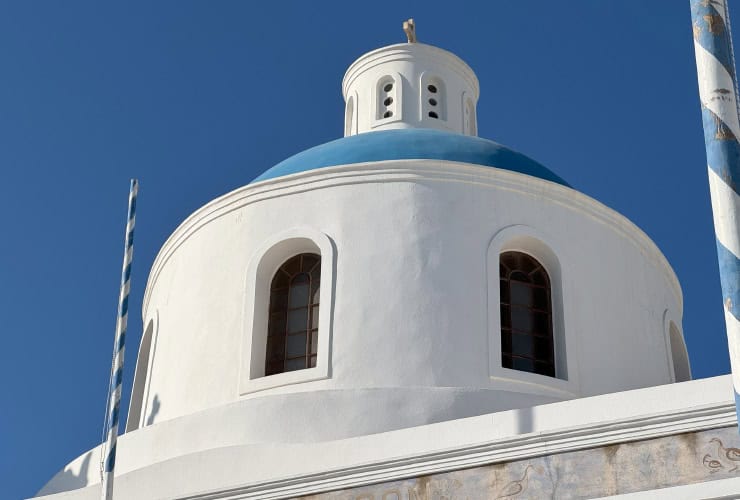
(410, 52)
(475, 455)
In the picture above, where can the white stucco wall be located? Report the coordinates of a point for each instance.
(411, 303)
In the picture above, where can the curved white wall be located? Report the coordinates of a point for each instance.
(389, 88)
(412, 249)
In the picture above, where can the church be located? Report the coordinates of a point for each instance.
(413, 312)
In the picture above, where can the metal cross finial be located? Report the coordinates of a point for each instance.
(410, 29)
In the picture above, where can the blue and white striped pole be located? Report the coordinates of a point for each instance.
(119, 345)
(715, 64)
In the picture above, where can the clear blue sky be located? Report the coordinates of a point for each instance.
(198, 98)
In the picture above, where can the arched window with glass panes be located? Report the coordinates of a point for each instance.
(526, 315)
(294, 315)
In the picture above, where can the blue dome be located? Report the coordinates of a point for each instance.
(410, 144)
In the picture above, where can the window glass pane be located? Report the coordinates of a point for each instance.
(315, 291)
(540, 300)
(542, 349)
(506, 361)
(297, 320)
(296, 345)
(274, 367)
(300, 278)
(541, 323)
(294, 315)
(505, 291)
(506, 260)
(275, 348)
(539, 277)
(293, 266)
(505, 316)
(521, 319)
(281, 280)
(503, 272)
(298, 295)
(526, 321)
(279, 300)
(315, 317)
(521, 345)
(314, 341)
(309, 261)
(544, 369)
(519, 276)
(506, 341)
(295, 364)
(526, 365)
(277, 324)
(521, 293)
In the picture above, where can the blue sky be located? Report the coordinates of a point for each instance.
(198, 98)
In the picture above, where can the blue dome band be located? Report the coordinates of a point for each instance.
(410, 144)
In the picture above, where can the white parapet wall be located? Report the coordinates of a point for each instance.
(208, 455)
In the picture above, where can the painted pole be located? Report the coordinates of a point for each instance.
(119, 344)
(715, 64)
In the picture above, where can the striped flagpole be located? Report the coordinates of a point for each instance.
(114, 391)
(715, 64)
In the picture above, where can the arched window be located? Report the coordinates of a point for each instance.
(434, 99)
(292, 333)
(386, 98)
(526, 315)
(349, 116)
(469, 126)
(681, 368)
(137, 404)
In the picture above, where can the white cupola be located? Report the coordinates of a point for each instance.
(410, 85)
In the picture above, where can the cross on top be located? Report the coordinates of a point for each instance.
(410, 29)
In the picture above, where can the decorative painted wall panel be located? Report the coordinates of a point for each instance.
(610, 470)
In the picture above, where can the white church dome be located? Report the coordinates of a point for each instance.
(405, 274)
(411, 224)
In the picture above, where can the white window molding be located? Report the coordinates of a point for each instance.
(349, 116)
(352, 109)
(262, 267)
(469, 125)
(440, 97)
(528, 240)
(379, 96)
